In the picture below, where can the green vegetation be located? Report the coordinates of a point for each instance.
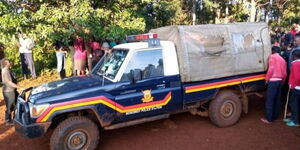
(49, 20)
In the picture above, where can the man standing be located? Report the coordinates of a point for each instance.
(294, 83)
(9, 90)
(275, 78)
(26, 44)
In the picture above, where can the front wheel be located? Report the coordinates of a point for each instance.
(225, 110)
(75, 133)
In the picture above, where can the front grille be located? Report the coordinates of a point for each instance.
(22, 112)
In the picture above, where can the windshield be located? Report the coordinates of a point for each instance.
(110, 64)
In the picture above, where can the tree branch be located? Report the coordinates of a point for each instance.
(24, 5)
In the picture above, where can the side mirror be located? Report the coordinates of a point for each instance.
(135, 75)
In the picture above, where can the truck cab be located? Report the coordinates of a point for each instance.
(134, 83)
(145, 78)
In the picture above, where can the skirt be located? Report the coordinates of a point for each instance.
(80, 64)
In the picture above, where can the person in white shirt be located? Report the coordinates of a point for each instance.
(25, 49)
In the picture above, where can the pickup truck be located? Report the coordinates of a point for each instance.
(207, 70)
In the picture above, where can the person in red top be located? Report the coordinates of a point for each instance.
(275, 78)
(294, 30)
(294, 83)
(95, 54)
(80, 56)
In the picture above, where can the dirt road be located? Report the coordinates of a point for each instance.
(180, 132)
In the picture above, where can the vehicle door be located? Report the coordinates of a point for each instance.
(144, 90)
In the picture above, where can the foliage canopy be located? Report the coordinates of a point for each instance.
(47, 21)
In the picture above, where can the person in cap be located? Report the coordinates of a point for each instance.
(106, 48)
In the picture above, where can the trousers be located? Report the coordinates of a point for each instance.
(10, 99)
(61, 62)
(30, 63)
(273, 100)
(294, 105)
(23, 64)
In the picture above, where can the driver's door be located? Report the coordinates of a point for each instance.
(152, 93)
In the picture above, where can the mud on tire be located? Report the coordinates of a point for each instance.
(75, 133)
(225, 110)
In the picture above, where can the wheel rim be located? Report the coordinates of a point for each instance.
(77, 140)
(227, 109)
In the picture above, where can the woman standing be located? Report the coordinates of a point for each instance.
(80, 56)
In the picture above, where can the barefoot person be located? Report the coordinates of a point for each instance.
(9, 90)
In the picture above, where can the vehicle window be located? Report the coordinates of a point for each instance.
(148, 63)
(111, 63)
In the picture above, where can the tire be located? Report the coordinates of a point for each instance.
(225, 110)
(75, 133)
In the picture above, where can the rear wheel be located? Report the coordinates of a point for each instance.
(75, 133)
(225, 110)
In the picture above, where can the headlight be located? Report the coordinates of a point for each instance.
(37, 110)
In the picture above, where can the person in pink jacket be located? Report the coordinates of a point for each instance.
(80, 56)
(275, 78)
(294, 84)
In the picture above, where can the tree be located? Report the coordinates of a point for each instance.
(47, 21)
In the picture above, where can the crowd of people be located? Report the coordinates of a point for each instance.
(85, 55)
(283, 77)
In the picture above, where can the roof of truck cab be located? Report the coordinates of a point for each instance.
(139, 45)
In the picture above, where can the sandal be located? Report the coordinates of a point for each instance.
(264, 120)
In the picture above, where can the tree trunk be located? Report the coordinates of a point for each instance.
(226, 14)
(194, 12)
(253, 11)
(218, 15)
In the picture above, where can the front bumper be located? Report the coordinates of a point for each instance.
(25, 125)
(31, 130)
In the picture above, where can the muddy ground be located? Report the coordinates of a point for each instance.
(180, 132)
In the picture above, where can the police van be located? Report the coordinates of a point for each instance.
(207, 70)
